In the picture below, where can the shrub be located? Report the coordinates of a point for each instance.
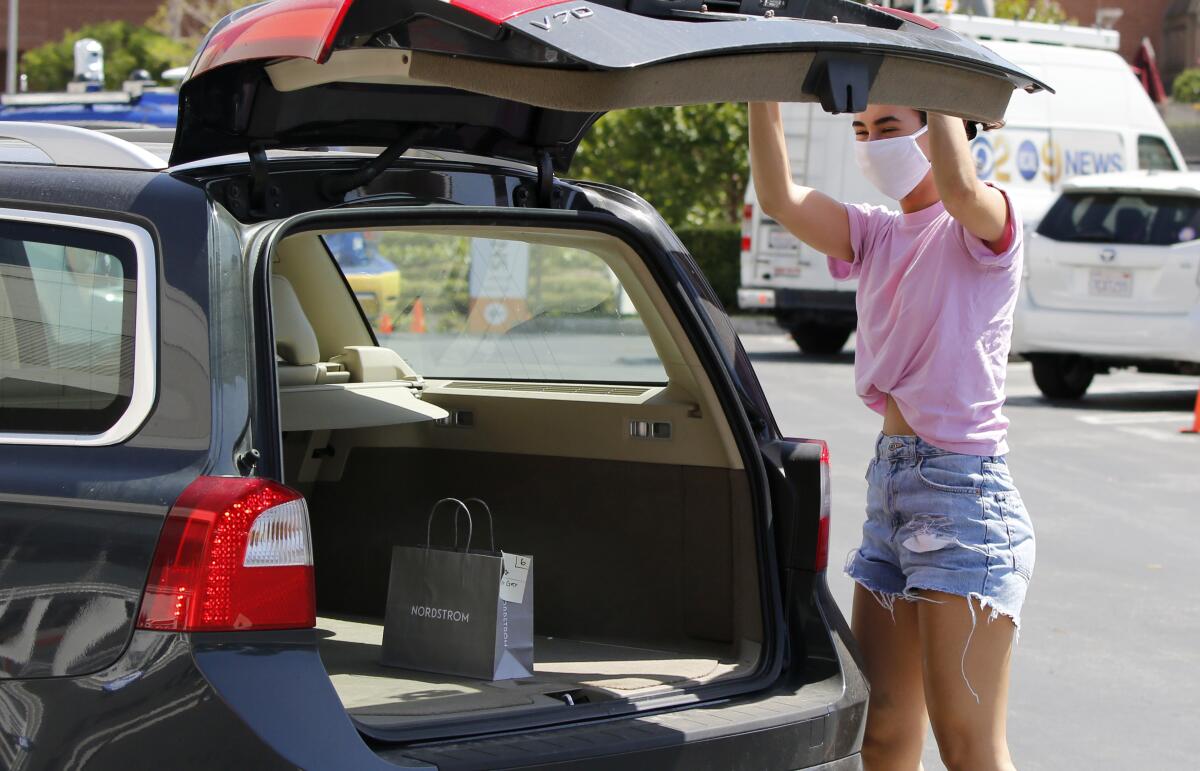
(717, 250)
(1186, 87)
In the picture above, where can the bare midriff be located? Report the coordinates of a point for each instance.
(894, 423)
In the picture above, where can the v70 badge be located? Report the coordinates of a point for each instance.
(581, 12)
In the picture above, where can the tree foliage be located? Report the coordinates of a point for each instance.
(690, 163)
(1048, 11)
(127, 47)
(1186, 88)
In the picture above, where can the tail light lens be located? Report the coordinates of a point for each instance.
(234, 554)
(821, 559)
(745, 243)
(748, 212)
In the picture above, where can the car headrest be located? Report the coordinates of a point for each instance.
(1131, 225)
(295, 340)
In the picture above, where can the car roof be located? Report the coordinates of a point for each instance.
(149, 150)
(1176, 182)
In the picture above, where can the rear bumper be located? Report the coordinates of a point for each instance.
(818, 725)
(265, 701)
(1128, 336)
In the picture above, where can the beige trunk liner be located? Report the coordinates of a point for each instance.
(350, 650)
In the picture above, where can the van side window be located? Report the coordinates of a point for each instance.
(67, 313)
(1154, 155)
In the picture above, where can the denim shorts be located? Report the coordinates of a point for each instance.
(946, 522)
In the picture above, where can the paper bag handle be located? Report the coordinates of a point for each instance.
(491, 522)
(470, 525)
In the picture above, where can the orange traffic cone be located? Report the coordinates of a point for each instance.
(418, 317)
(1195, 429)
(385, 324)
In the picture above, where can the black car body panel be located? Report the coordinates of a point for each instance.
(73, 580)
(520, 85)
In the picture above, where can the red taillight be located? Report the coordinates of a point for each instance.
(745, 243)
(907, 16)
(335, 26)
(821, 559)
(748, 212)
(234, 554)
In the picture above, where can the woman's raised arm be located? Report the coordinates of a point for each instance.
(813, 217)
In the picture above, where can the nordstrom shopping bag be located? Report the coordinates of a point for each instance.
(460, 612)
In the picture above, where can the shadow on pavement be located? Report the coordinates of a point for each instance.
(798, 357)
(1182, 400)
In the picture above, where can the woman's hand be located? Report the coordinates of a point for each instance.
(981, 209)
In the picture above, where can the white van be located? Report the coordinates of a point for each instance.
(1100, 120)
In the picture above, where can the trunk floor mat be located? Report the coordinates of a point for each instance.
(350, 650)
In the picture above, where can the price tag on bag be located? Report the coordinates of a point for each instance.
(512, 580)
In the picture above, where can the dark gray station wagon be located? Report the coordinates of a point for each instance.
(208, 453)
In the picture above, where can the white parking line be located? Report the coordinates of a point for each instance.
(1159, 435)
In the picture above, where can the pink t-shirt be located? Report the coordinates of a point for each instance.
(935, 310)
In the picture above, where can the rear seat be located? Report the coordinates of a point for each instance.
(363, 386)
(298, 357)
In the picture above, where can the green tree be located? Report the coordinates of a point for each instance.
(1186, 88)
(690, 163)
(126, 48)
(1048, 11)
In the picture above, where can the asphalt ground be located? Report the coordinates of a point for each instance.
(1107, 671)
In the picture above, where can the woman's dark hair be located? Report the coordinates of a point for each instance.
(971, 126)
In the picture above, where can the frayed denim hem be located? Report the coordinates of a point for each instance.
(910, 594)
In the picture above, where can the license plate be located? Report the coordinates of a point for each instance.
(782, 239)
(1110, 282)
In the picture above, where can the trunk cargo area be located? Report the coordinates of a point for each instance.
(645, 576)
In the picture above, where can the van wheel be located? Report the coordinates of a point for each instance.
(817, 338)
(1062, 376)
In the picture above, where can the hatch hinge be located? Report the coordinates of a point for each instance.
(540, 193)
(256, 196)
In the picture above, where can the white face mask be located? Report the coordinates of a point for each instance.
(894, 166)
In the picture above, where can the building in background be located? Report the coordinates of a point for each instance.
(1139, 19)
(1182, 37)
(46, 21)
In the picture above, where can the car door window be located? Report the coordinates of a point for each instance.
(473, 306)
(66, 328)
(1154, 155)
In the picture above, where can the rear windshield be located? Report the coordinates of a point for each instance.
(1123, 218)
(461, 304)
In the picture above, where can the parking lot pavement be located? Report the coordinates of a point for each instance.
(1107, 673)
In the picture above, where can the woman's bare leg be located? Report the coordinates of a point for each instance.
(891, 652)
(970, 733)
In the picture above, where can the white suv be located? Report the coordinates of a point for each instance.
(1112, 279)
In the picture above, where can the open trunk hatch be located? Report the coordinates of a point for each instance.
(356, 72)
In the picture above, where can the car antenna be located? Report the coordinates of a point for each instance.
(335, 186)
